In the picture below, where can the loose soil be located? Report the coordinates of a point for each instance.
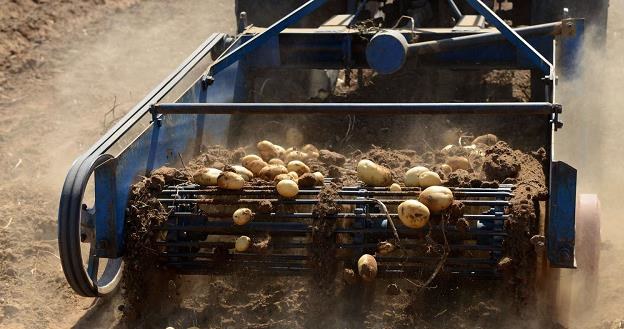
(333, 296)
(78, 66)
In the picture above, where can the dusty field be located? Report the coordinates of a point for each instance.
(52, 105)
(52, 111)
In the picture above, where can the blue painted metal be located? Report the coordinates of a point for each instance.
(387, 52)
(495, 55)
(159, 146)
(537, 108)
(337, 50)
(260, 39)
(561, 215)
(106, 224)
(522, 45)
(570, 47)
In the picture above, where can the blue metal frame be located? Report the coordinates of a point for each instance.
(523, 46)
(529, 108)
(561, 216)
(260, 39)
(158, 145)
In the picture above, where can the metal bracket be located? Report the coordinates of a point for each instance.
(557, 110)
(260, 39)
(156, 117)
(561, 215)
(568, 27)
(512, 36)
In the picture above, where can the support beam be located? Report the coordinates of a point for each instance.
(260, 39)
(512, 36)
(358, 108)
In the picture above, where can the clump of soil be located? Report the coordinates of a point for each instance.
(144, 213)
(322, 251)
(216, 156)
(527, 172)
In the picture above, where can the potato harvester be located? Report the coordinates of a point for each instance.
(274, 71)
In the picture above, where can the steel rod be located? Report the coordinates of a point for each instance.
(443, 45)
(227, 228)
(307, 215)
(529, 108)
(300, 245)
(493, 203)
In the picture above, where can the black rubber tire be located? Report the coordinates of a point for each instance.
(70, 209)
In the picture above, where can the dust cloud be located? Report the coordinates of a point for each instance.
(591, 141)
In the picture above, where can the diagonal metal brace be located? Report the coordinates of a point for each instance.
(260, 39)
(512, 36)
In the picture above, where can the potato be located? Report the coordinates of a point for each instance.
(311, 151)
(367, 267)
(436, 198)
(269, 172)
(246, 173)
(412, 176)
(299, 167)
(256, 166)
(395, 187)
(276, 161)
(320, 179)
(446, 169)
(230, 181)
(458, 163)
(281, 177)
(246, 160)
(206, 176)
(384, 248)
(413, 214)
(429, 178)
(293, 175)
(309, 148)
(267, 150)
(242, 216)
(242, 243)
(487, 139)
(295, 155)
(373, 174)
(279, 150)
(287, 188)
(294, 137)
(475, 151)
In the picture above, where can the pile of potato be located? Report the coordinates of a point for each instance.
(288, 171)
(284, 167)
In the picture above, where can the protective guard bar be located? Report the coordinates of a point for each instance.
(536, 108)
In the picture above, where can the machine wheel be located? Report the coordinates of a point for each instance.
(76, 236)
(587, 251)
